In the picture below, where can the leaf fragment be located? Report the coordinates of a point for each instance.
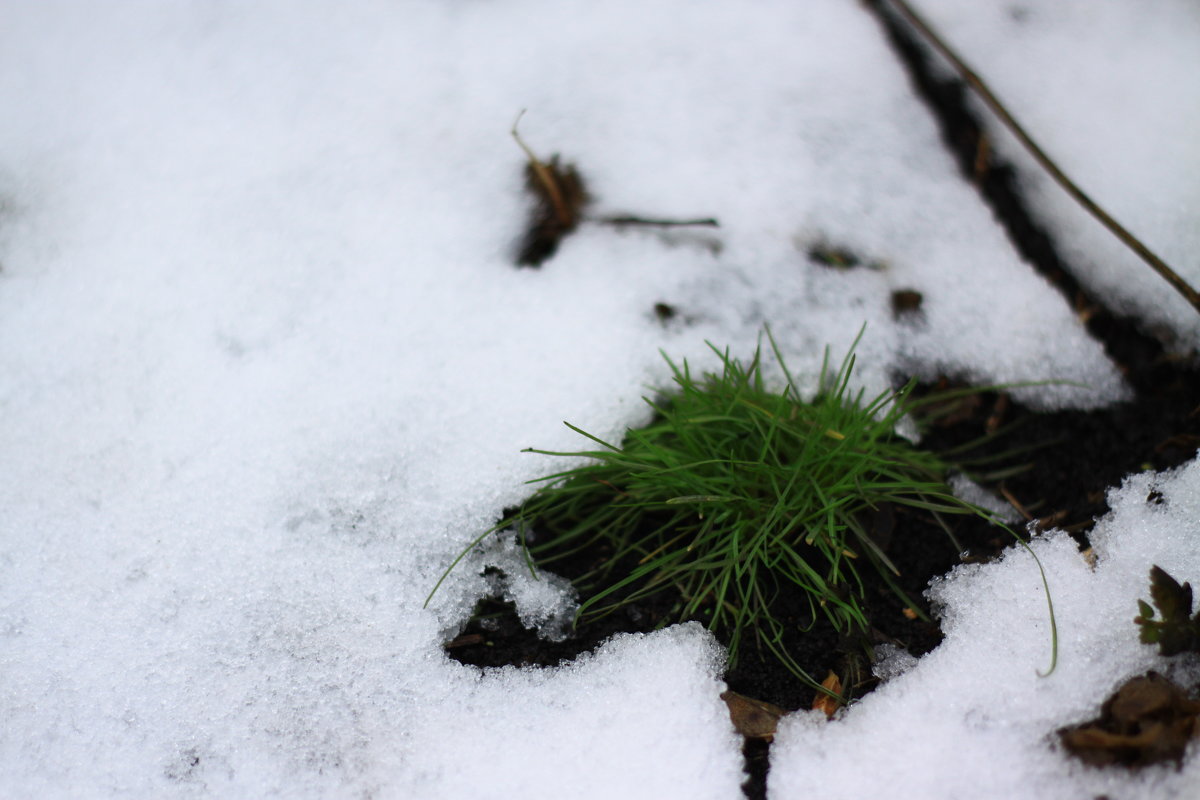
(559, 197)
(829, 703)
(1176, 632)
(1171, 599)
(1147, 720)
(754, 719)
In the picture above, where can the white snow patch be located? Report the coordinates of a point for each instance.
(268, 366)
(639, 718)
(1109, 91)
(967, 489)
(543, 601)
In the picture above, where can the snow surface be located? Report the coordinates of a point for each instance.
(268, 367)
(977, 702)
(1109, 90)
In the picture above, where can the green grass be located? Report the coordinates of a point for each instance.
(738, 492)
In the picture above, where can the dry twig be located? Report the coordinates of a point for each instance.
(976, 83)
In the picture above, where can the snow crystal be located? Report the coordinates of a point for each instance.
(966, 489)
(543, 601)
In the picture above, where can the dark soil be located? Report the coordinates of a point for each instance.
(1073, 458)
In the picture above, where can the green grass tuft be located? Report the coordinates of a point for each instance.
(738, 492)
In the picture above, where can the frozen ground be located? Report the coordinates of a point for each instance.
(267, 367)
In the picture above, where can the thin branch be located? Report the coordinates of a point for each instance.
(627, 219)
(981, 88)
(546, 177)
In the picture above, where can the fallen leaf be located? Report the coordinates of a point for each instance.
(559, 197)
(1089, 557)
(754, 719)
(1147, 720)
(825, 702)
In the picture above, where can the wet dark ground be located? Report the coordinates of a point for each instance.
(1072, 458)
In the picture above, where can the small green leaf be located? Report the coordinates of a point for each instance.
(1145, 612)
(1175, 633)
(1171, 599)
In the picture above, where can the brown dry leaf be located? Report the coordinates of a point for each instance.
(823, 702)
(754, 719)
(1148, 720)
(559, 197)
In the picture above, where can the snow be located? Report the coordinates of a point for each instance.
(269, 368)
(979, 700)
(1109, 91)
